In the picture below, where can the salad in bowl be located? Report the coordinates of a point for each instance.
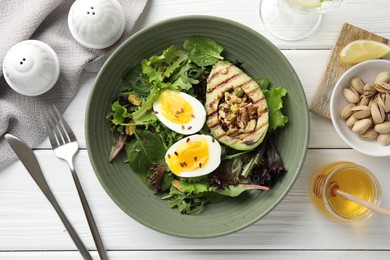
(196, 128)
(222, 97)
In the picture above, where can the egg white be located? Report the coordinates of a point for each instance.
(213, 161)
(194, 125)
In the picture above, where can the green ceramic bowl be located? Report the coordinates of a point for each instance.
(260, 58)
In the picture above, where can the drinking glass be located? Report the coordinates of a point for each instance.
(350, 178)
(292, 20)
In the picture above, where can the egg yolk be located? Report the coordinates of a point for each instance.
(175, 108)
(190, 156)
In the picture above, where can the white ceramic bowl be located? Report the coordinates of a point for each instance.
(366, 71)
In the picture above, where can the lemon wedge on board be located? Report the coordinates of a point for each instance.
(307, 3)
(362, 50)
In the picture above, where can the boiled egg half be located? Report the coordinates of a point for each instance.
(180, 112)
(194, 156)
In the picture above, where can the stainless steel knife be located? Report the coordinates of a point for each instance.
(27, 157)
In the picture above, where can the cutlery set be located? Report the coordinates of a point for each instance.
(32, 68)
(65, 146)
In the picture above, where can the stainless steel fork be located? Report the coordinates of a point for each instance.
(65, 146)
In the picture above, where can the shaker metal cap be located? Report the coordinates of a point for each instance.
(31, 67)
(96, 24)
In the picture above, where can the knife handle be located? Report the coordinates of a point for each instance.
(30, 161)
(76, 239)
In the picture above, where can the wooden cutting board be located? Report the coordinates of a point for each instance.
(335, 69)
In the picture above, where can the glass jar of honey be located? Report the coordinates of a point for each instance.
(351, 178)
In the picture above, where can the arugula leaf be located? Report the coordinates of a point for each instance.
(167, 136)
(144, 150)
(159, 68)
(203, 51)
(186, 204)
(234, 191)
(186, 77)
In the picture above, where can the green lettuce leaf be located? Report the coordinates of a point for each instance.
(160, 68)
(186, 77)
(144, 114)
(119, 113)
(274, 96)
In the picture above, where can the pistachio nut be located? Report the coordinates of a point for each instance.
(386, 102)
(347, 111)
(351, 95)
(362, 126)
(369, 89)
(383, 128)
(383, 76)
(373, 99)
(364, 101)
(351, 121)
(378, 113)
(383, 139)
(369, 135)
(134, 99)
(358, 85)
(360, 112)
(383, 87)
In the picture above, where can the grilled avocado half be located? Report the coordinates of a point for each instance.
(237, 112)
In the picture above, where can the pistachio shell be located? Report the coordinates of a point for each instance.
(369, 89)
(369, 135)
(383, 76)
(378, 113)
(351, 95)
(361, 112)
(347, 111)
(383, 87)
(351, 121)
(364, 101)
(362, 126)
(383, 139)
(383, 128)
(358, 85)
(386, 102)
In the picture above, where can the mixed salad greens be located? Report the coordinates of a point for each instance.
(146, 140)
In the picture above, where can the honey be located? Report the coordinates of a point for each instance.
(350, 178)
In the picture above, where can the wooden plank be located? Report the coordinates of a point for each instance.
(209, 255)
(27, 221)
(335, 68)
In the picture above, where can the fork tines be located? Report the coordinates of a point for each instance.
(57, 129)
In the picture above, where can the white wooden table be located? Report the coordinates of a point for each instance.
(30, 228)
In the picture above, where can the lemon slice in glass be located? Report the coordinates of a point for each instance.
(362, 50)
(307, 3)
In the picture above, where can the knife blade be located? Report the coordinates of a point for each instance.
(30, 162)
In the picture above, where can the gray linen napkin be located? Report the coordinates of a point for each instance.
(46, 20)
